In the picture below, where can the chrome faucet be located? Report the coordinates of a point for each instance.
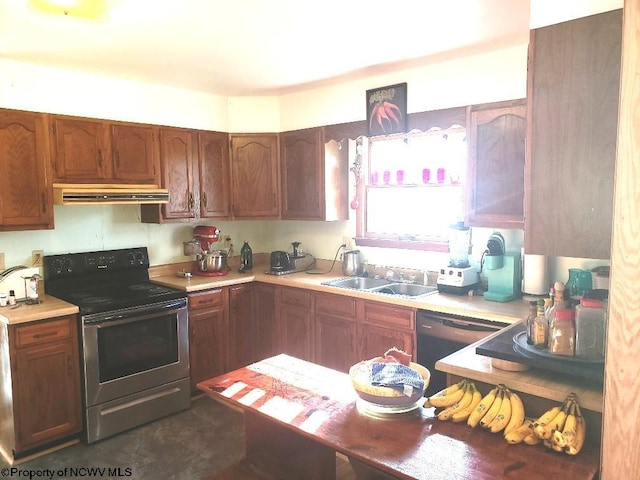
(394, 276)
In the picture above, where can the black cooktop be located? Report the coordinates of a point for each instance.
(104, 281)
(504, 347)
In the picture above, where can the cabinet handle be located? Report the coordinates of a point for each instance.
(100, 158)
(45, 335)
(191, 201)
(204, 199)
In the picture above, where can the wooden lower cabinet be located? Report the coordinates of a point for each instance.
(384, 326)
(335, 331)
(295, 322)
(44, 402)
(241, 325)
(208, 334)
(265, 325)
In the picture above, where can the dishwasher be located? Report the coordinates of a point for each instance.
(439, 335)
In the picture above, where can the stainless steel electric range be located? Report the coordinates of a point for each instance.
(134, 338)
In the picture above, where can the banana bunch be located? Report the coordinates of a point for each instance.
(500, 410)
(562, 428)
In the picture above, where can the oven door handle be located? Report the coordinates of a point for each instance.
(119, 317)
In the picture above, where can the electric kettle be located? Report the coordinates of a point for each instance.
(352, 264)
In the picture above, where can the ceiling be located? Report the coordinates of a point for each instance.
(259, 47)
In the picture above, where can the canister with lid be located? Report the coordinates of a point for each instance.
(590, 320)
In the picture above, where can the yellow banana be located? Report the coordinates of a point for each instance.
(447, 396)
(518, 434)
(546, 418)
(517, 412)
(532, 439)
(464, 402)
(493, 411)
(566, 436)
(544, 431)
(463, 414)
(482, 408)
(580, 435)
(503, 417)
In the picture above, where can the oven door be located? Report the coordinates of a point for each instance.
(132, 350)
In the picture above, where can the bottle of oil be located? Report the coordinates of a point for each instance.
(246, 257)
(533, 312)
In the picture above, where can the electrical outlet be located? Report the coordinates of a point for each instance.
(349, 243)
(2, 265)
(36, 258)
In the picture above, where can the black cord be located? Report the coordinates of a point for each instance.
(318, 272)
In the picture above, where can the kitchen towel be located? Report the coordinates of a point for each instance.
(396, 376)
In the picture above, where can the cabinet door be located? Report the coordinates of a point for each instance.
(80, 150)
(25, 194)
(46, 382)
(302, 171)
(296, 331)
(374, 340)
(265, 326)
(176, 157)
(496, 146)
(134, 153)
(208, 343)
(335, 342)
(213, 163)
(254, 176)
(241, 324)
(573, 86)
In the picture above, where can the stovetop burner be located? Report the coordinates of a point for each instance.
(100, 282)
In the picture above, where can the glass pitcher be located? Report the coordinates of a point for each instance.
(459, 240)
(580, 282)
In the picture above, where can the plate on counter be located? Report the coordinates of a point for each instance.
(521, 346)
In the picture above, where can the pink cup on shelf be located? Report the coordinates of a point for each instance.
(386, 177)
(400, 177)
(441, 174)
(426, 175)
(374, 178)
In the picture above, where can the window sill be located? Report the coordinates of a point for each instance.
(431, 246)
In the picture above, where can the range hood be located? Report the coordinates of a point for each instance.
(108, 194)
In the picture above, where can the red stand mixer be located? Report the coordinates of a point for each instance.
(210, 261)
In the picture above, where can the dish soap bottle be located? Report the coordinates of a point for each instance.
(246, 257)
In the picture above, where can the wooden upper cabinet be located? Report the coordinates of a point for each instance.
(573, 86)
(80, 150)
(314, 176)
(88, 150)
(496, 158)
(177, 160)
(254, 175)
(25, 193)
(214, 173)
(135, 156)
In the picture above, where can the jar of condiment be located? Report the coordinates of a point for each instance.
(12, 297)
(590, 327)
(562, 332)
(540, 327)
(533, 311)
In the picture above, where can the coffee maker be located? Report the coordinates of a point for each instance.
(502, 270)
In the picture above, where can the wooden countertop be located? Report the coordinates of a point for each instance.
(541, 383)
(473, 307)
(317, 403)
(49, 307)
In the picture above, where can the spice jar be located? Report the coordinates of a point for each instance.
(540, 327)
(562, 332)
(590, 327)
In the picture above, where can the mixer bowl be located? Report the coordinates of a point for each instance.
(212, 262)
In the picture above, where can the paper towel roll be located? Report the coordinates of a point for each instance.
(534, 274)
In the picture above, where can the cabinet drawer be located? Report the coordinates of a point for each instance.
(389, 315)
(296, 297)
(337, 305)
(207, 299)
(43, 332)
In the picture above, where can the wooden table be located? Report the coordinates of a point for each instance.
(299, 414)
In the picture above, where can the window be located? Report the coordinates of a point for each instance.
(413, 188)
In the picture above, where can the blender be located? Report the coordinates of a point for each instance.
(458, 277)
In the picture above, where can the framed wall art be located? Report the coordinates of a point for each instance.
(387, 110)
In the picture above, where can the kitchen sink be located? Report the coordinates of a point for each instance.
(406, 289)
(382, 286)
